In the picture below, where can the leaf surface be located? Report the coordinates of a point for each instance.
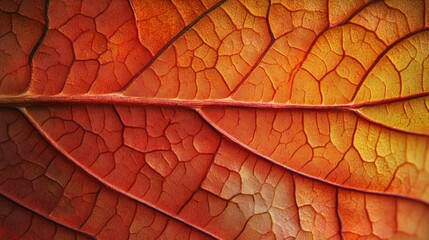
(203, 119)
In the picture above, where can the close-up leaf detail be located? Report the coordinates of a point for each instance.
(232, 119)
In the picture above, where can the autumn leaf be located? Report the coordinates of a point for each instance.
(214, 119)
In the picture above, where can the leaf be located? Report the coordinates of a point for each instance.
(35, 175)
(203, 119)
(31, 224)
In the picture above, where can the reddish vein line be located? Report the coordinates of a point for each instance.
(368, 119)
(42, 36)
(261, 57)
(169, 43)
(40, 40)
(337, 211)
(322, 33)
(382, 54)
(9, 198)
(28, 100)
(356, 12)
(233, 139)
(100, 180)
(25, 100)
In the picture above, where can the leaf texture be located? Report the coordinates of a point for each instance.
(214, 119)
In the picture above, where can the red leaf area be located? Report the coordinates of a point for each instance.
(202, 119)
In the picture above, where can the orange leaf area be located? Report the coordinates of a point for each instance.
(237, 195)
(35, 175)
(232, 119)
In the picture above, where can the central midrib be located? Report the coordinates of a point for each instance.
(25, 100)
